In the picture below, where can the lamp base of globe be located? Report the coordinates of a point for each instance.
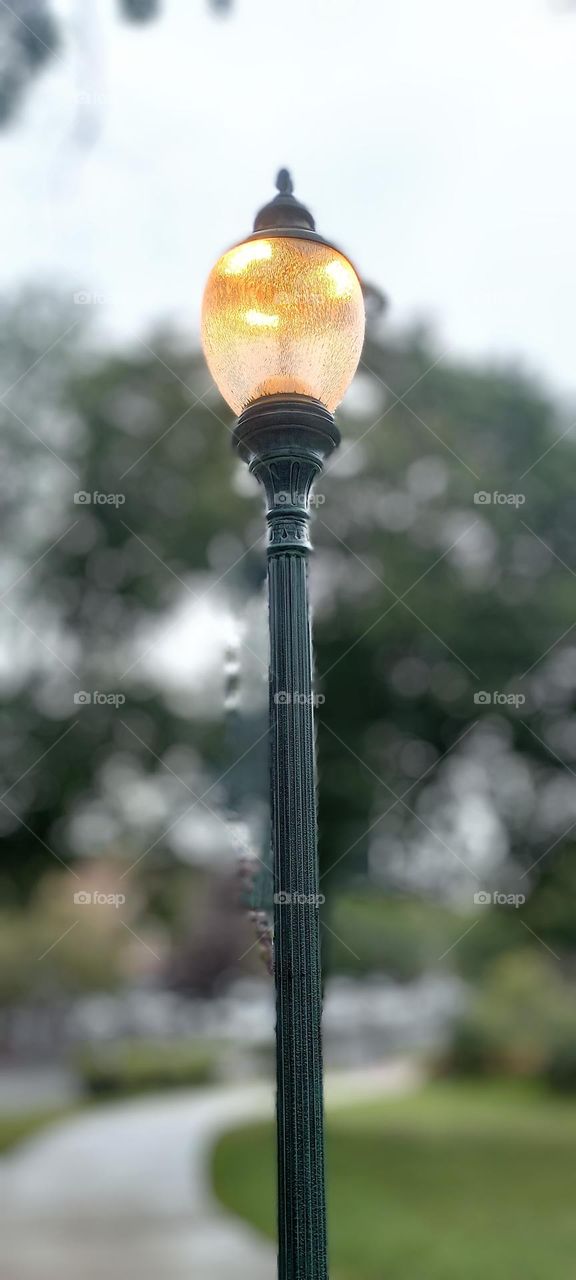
(286, 440)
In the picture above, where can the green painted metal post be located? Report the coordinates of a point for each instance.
(285, 440)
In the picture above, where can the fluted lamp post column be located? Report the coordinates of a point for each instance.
(282, 330)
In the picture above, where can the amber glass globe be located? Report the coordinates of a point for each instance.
(282, 315)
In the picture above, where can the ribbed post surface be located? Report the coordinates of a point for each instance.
(285, 441)
(301, 1200)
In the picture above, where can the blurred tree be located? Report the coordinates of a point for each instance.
(212, 935)
(436, 597)
(29, 39)
(518, 1016)
(48, 959)
(425, 597)
(79, 963)
(32, 33)
(104, 577)
(139, 10)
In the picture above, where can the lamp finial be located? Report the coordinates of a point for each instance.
(284, 183)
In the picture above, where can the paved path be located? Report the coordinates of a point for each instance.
(123, 1192)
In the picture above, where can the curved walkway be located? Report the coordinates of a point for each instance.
(123, 1191)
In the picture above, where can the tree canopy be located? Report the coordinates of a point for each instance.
(444, 628)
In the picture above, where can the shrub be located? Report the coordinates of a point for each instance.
(560, 1071)
(520, 1019)
(128, 1067)
(469, 1053)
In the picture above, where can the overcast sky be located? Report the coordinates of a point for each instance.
(434, 141)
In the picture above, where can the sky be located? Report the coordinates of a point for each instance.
(433, 142)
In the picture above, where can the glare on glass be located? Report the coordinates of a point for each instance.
(282, 315)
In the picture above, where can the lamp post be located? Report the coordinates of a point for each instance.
(282, 330)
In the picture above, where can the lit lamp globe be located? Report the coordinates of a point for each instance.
(283, 312)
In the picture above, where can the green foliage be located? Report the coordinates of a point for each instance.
(560, 1069)
(521, 1021)
(470, 1051)
(139, 1066)
(453, 1181)
(48, 955)
(370, 932)
(397, 674)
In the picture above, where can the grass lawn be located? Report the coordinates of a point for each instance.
(14, 1128)
(459, 1180)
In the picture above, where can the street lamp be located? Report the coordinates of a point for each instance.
(282, 330)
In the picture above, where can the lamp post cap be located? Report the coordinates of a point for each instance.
(284, 210)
